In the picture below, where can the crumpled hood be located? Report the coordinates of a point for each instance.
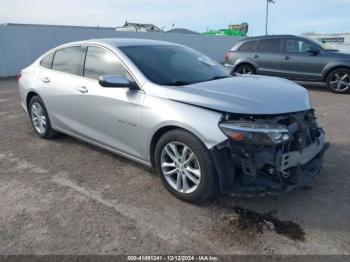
(244, 95)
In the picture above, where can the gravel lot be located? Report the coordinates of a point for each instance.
(66, 197)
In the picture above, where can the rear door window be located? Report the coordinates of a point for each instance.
(69, 60)
(47, 61)
(270, 45)
(248, 47)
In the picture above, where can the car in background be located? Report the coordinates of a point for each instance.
(292, 57)
(172, 108)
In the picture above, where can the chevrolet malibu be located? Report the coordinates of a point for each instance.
(172, 108)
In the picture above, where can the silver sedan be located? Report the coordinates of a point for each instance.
(172, 108)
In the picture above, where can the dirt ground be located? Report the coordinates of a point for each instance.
(64, 196)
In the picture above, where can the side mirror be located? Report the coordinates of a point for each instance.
(313, 51)
(115, 81)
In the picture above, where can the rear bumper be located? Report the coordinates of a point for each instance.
(305, 166)
(24, 108)
(229, 66)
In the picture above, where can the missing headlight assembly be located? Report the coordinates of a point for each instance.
(268, 154)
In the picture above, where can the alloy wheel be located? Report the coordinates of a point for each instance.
(340, 81)
(38, 118)
(245, 71)
(180, 167)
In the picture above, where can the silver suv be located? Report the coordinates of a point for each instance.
(292, 57)
(172, 108)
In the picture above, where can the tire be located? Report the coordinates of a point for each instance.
(245, 69)
(207, 185)
(37, 109)
(338, 81)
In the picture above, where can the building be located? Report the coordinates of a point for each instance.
(243, 28)
(336, 41)
(138, 27)
(182, 31)
(232, 30)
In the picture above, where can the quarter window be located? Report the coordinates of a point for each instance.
(248, 47)
(69, 60)
(101, 62)
(47, 61)
(270, 45)
(297, 46)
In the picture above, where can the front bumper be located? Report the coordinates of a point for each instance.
(302, 167)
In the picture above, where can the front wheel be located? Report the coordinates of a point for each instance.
(185, 166)
(338, 81)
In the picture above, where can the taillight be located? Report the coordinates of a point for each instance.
(227, 56)
(19, 76)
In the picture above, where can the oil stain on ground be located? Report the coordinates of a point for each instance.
(247, 219)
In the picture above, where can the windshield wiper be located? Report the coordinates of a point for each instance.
(218, 77)
(179, 83)
(184, 83)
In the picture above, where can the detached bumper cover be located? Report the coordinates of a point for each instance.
(303, 166)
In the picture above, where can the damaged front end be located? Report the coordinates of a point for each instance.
(268, 154)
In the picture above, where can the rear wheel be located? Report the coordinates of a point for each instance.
(245, 69)
(40, 119)
(185, 166)
(338, 81)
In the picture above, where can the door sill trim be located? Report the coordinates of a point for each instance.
(110, 149)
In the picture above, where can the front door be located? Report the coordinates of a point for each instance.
(109, 116)
(300, 64)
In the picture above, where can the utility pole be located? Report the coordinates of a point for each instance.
(267, 14)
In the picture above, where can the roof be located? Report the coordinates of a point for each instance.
(114, 42)
(325, 34)
(139, 26)
(182, 31)
(62, 26)
(117, 42)
(269, 37)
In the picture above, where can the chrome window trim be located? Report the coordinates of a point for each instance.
(86, 45)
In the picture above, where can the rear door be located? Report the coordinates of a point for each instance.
(58, 82)
(244, 52)
(109, 116)
(298, 63)
(269, 56)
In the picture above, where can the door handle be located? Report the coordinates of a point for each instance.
(82, 89)
(286, 57)
(255, 56)
(45, 80)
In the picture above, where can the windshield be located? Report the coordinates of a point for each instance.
(174, 65)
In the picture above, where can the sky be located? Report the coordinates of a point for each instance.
(286, 16)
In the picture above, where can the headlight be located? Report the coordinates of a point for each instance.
(259, 133)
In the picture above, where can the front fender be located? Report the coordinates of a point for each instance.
(160, 112)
